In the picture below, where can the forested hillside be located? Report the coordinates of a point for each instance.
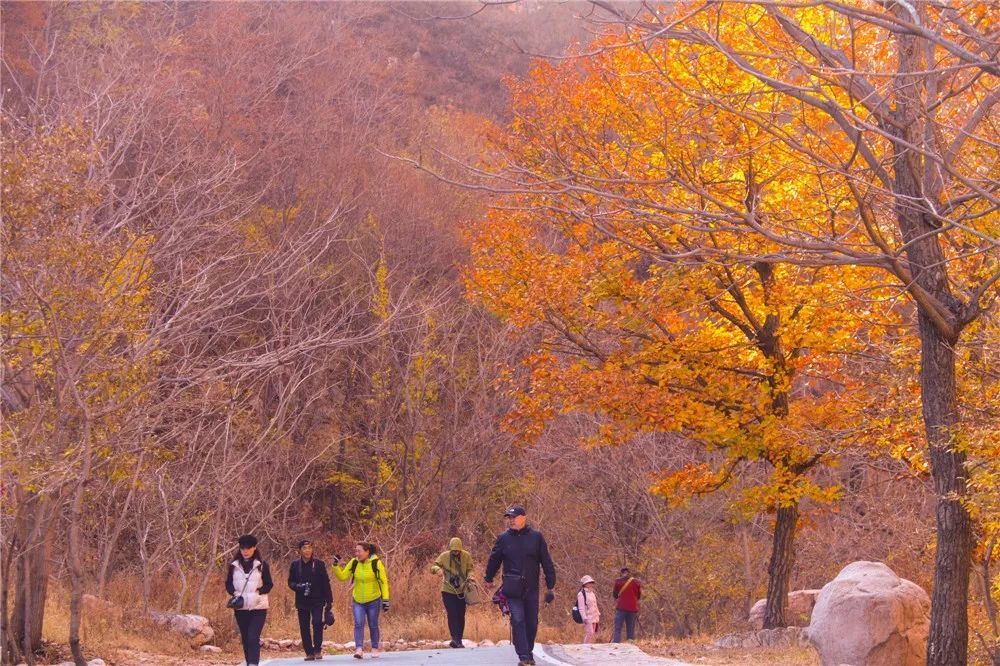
(374, 271)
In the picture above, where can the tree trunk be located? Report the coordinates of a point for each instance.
(779, 571)
(949, 633)
(10, 649)
(32, 575)
(73, 547)
(939, 327)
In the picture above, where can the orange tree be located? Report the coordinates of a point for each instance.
(699, 329)
(851, 135)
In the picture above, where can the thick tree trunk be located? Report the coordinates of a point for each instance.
(779, 571)
(32, 576)
(949, 632)
(939, 326)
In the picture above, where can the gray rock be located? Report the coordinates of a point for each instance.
(210, 648)
(869, 616)
(195, 628)
(783, 637)
(798, 613)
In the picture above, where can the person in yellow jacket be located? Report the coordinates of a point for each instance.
(455, 567)
(370, 595)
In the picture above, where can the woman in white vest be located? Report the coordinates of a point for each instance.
(248, 582)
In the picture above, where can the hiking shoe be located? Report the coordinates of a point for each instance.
(454, 644)
(359, 655)
(318, 656)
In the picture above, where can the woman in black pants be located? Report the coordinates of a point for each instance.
(248, 582)
(455, 566)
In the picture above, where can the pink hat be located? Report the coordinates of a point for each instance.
(586, 579)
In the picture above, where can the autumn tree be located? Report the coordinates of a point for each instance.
(878, 123)
(743, 357)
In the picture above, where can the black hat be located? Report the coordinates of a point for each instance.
(304, 542)
(247, 541)
(515, 510)
(624, 570)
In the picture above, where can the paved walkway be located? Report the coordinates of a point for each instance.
(549, 655)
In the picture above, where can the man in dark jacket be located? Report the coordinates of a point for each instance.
(522, 551)
(308, 577)
(628, 591)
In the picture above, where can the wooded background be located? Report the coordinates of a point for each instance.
(374, 271)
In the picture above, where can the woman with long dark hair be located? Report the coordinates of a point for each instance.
(248, 582)
(370, 594)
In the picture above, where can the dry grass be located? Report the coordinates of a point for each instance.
(701, 651)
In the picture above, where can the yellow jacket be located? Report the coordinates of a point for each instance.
(368, 586)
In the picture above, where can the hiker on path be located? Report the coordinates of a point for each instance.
(370, 595)
(313, 599)
(522, 551)
(586, 602)
(628, 591)
(455, 567)
(248, 581)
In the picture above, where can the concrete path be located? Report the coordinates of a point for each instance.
(548, 655)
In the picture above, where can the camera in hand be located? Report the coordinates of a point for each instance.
(235, 601)
(306, 589)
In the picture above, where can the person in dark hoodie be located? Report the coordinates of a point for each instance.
(313, 599)
(248, 583)
(522, 551)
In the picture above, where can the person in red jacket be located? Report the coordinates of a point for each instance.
(628, 591)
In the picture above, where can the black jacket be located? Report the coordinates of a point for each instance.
(265, 575)
(522, 552)
(314, 573)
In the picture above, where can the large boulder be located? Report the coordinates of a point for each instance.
(99, 610)
(798, 613)
(195, 628)
(869, 616)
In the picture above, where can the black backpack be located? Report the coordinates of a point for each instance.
(374, 562)
(577, 617)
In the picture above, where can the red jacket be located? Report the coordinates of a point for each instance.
(628, 599)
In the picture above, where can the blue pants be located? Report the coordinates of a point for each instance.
(524, 623)
(369, 611)
(628, 619)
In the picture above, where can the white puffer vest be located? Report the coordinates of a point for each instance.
(246, 585)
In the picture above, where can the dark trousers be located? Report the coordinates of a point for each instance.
(251, 624)
(312, 642)
(628, 619)
(524, 623)
(454, 606)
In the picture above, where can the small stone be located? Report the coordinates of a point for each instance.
(503, 643)
(467, 643)
(487, 643)
(211, 648)
(286, 643)
(350, 645)
(96, 662)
